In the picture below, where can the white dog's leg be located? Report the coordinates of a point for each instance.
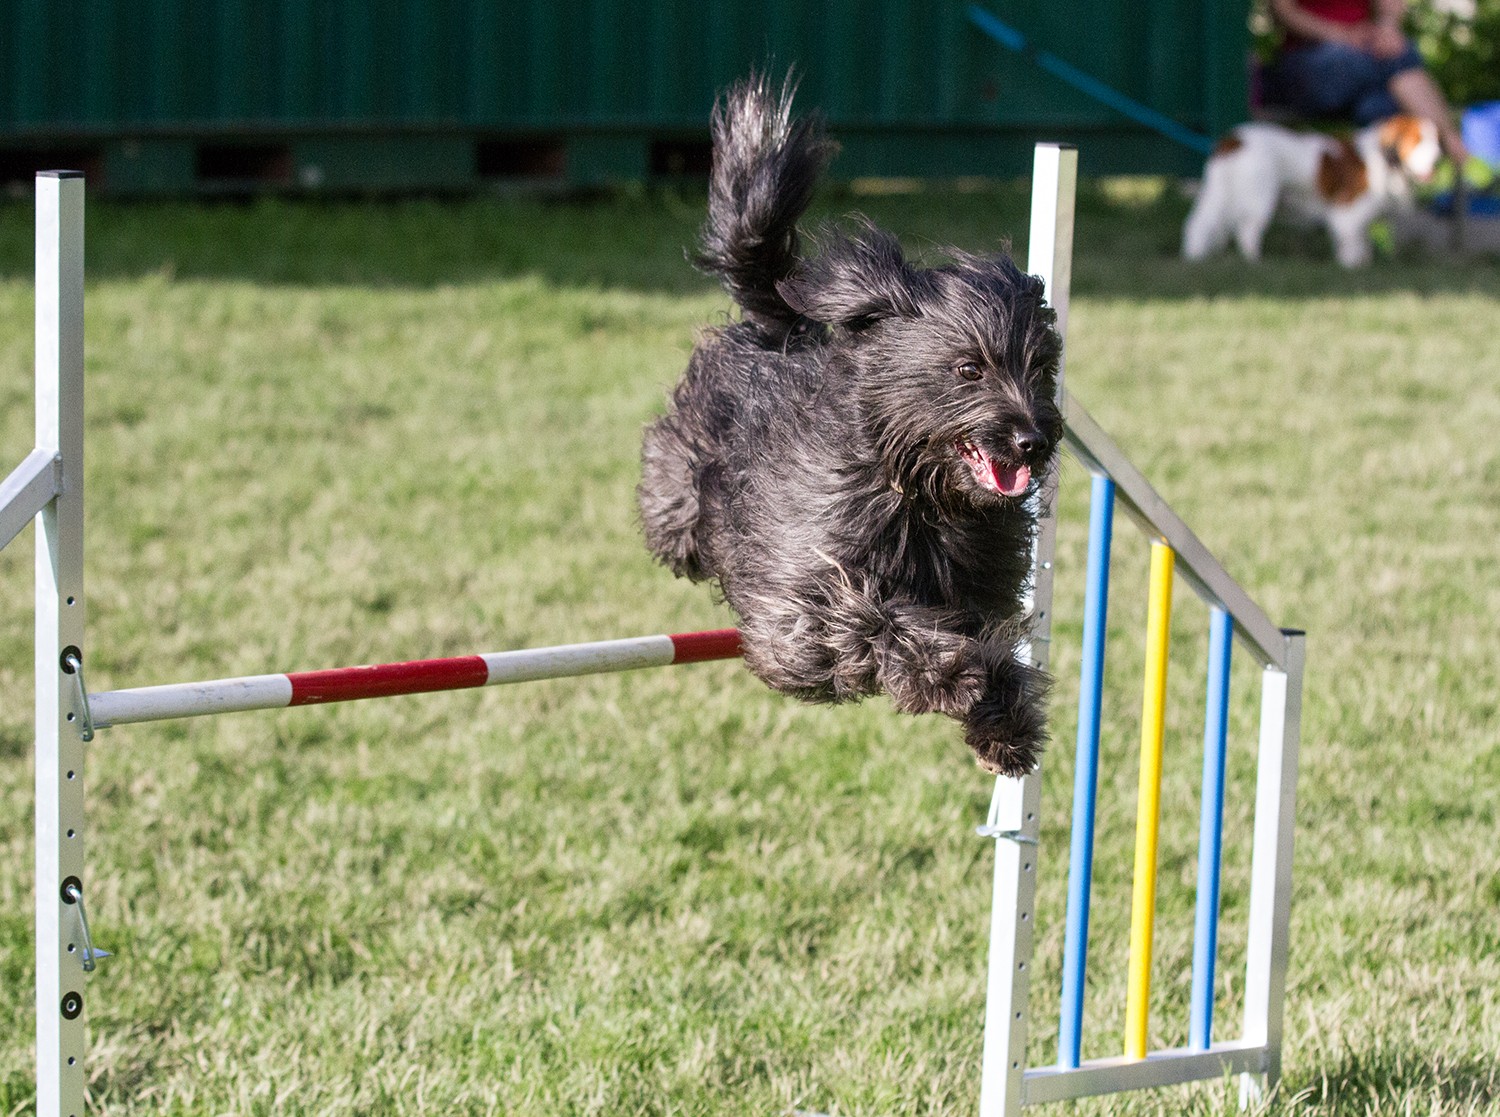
(1253, 214)
(1206, 230)
(1349, 226)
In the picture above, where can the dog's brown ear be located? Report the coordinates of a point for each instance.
(854, 282)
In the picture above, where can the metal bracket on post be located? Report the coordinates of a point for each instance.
(1018, 836)
(72, 893)
(60, 1034)
(73, 668)
(1016, 803)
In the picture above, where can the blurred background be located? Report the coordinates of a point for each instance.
(156, 97)
(169, 97)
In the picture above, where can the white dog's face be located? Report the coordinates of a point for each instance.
(1411, 143)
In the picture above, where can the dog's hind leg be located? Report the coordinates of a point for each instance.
(669, 498)
(1253, 210)
(1206, 229)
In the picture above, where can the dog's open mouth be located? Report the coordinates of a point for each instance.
(1007, 480)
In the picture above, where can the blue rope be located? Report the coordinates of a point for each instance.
(1008, 37)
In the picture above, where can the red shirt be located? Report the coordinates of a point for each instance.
(1340, 11)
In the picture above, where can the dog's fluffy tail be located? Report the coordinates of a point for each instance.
(765, 167)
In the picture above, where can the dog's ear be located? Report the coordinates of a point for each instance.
(1410, 144)
(855, 282)
(1399, 136)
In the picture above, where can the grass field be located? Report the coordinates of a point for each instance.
(349, 433)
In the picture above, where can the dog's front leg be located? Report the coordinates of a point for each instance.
(1007, 727)
(846, 641)
(841, 639)
(931, 667)
(925, 662)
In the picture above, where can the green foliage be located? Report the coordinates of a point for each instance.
(329, 434)
(1462, 50)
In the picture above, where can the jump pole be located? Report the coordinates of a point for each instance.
(387, 680)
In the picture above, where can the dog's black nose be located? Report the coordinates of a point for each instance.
(1028, 441)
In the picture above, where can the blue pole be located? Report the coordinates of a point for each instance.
(1210, 830)
(1086, 771)
(1007, 36)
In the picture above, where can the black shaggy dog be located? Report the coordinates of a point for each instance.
(856, 460)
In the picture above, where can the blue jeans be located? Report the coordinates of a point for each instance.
(1333, 80)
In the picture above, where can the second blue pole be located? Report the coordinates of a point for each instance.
(1211, 830)
(1086, 771)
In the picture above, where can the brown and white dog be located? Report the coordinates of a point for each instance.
(1343, 184)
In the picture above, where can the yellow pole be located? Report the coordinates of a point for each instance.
(1148, 802)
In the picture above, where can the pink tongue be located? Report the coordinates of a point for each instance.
(1011, 479)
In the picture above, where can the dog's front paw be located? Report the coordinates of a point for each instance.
(934, 684)
(1007, 736)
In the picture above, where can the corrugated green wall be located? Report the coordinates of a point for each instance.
(175, 95)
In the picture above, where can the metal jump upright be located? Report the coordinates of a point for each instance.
(47, 488)
(1007, 1082)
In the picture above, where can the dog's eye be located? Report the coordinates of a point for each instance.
(969, 370)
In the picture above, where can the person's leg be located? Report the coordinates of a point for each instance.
(1325, 79)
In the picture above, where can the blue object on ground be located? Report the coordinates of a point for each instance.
(1481, 129)
(1480, 205)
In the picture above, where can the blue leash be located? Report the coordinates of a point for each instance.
(1007, 36)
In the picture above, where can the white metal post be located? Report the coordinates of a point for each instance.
(1016, 805)
(60, 939)
(1054, 185)
(1271, 864)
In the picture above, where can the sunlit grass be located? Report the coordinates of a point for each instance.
(330, 434)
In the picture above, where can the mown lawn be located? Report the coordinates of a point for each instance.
(323, 434)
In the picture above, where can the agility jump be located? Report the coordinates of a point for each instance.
(48, 487)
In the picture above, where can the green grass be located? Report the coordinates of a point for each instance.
(331, 434)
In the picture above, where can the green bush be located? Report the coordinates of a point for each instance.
(1463, 49)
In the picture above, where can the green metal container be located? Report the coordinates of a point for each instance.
(178, 96)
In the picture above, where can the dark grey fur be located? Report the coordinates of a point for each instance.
(810, 461)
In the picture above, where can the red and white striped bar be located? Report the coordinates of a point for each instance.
(345, 684)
